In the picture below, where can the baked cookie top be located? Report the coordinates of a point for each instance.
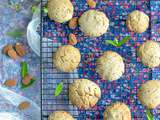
(93, 23)
(67, 58)
(84, 93)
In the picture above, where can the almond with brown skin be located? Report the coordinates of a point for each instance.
(12, 54)
(73, 23)
(10, 83)
(6, 48)
(91, 3)
(20, 49)
(24, 105)
(72, 39)
(27, 79)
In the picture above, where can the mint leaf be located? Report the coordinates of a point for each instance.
(58, 89)
(114, 43)
(124, 40)
(34, 8)
(45, 10)
(26, 86)
(149, 115)
(15, 33)
(24, 69)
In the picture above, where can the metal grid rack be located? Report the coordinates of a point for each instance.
(53, 37)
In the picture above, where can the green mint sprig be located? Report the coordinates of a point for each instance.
(58, 89)
(16, 33)
(149, 115)
(118, 43)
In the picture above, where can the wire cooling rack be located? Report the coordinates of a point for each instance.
(125, 89)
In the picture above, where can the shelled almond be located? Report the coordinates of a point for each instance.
(73, 23)
(20, 49)
(91, 3)
(6, 48)
(27, 79)
(24, 105)
(10, 83)
(72, 39)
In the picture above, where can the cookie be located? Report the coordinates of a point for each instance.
(149, 53)
(117, 111)
(110, 66)
(93, 23)
(60, 10)
(67, 58)
(84, 93)
(60, 115)
(149, 94)
(137, 21)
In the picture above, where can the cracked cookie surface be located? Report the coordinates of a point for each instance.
(137, 21)
(110, 66)
(84, 93)
(149, 94)
(67, 58)
(93, 23)
(60, 115)
(60, 10)
(117, 111)
(149, 53)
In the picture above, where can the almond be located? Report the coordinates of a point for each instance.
(27, 79)
(72, 39)
(91, 3)
(12, 53)
(73, 23)
(20, 49)
(24, 105)
(10, 83)
(6, 48)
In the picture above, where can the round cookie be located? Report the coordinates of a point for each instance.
(149, 53)
(117, 111)
(84, 93)
(149, 94)
(60, 10)
(137, 21)
(60, 115)
(93, 23)
(67, 58)
(110, 66)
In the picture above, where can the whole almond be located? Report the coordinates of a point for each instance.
(6, 48)
(73, 23)
(24, 105)
(12, 54)
(20, 49)
(72, 39)
(91, 3)
(10, 83)
(27, 79)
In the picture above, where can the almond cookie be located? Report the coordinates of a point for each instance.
(117, 111)
(84, 93)
(93, 23)
(67, 58)
(60, 115)
(137, 21)
(149, 94)
(60, 10)
(110, 66)
(149, 53)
